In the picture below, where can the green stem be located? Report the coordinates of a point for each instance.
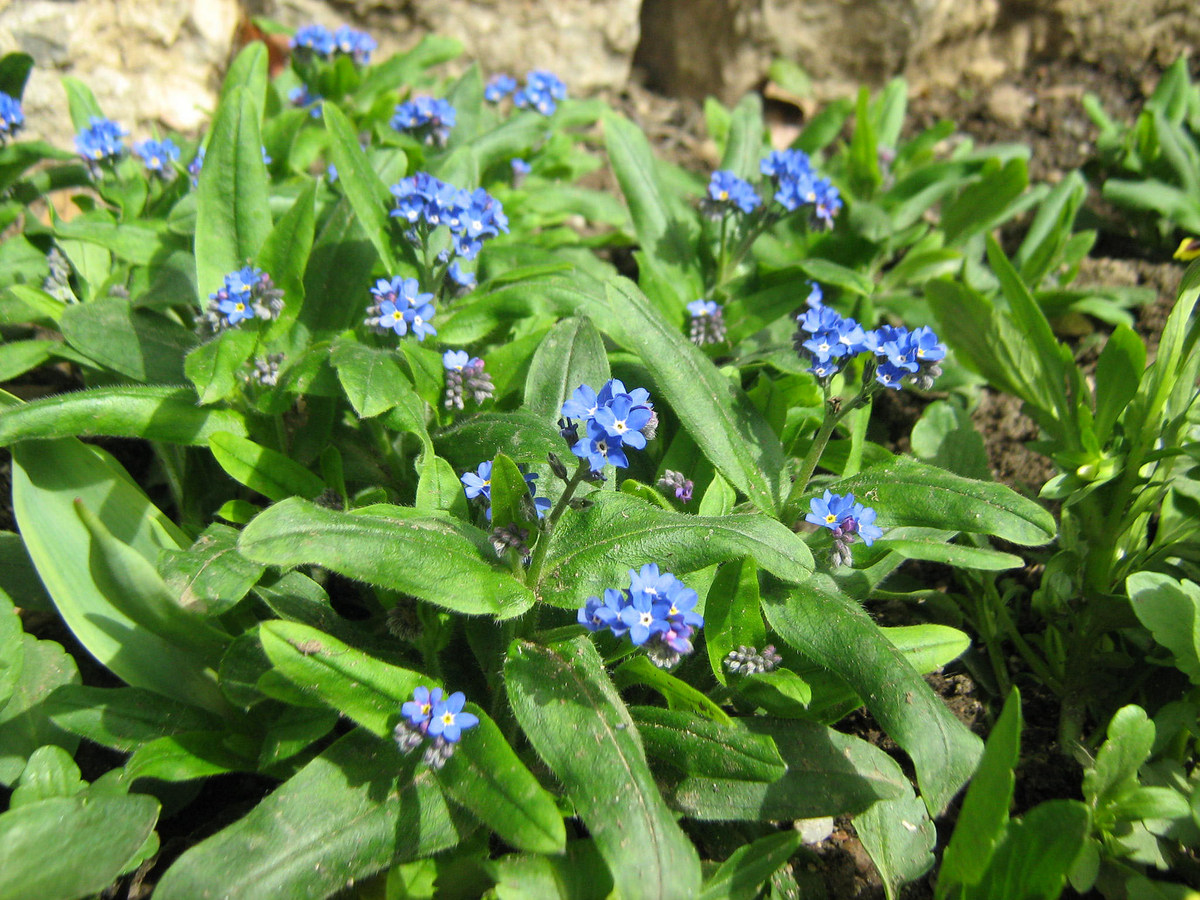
(539, 552)
(791, 509)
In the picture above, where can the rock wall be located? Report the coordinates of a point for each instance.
(159, 62)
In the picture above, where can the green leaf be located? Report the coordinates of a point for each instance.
(821, 623)
(780, 692)
(899, 836)
(698, 745)
(661, 235)
(828, 774)
(48, 479)
(485, 776)
(284, 253)
(373, 378)
(1130, 739)
(985, 203)
(1037, 852)
(82, 103)
(214, 366)
(123, 718)
(339, 266)
(439, 488)
(744, 148)
(105, 831)
(233, 217)
(678, 693)
(396, 551)
(593, 548)
(1170, 610)
(579, 875)
(907, 492)
(24, 724)
(249, 69)
(748, 868)
(1119, 371)
(14, 72)
(154, 413)
(718, 415)
(984, 816)
(563, 701)
(518, 434)
(135, 342)
(186, 757)
(12, 648)
(367, 194)
(211, 576)
(349, 813)
(366, 689)
(731, 616)
(132, 585)
(572, 354)
(262, 469)
(961, 556)
(50, 773)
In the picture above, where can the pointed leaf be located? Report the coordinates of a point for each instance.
(564, 701)
(24, 724)
(262, 469)
(591, 549)
(137, 343)
(742, 876)
(367, 194)
(698, 745)
(906, 492)
(1036, 854)
(821, 622)
(123, 718)
(344, 816)
(154, 413)
(572, 354)
(233, 217)
(404, 551)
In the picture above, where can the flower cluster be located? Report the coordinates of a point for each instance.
(613, 419)
(675, 481)
(478, 484)
(707, 325)
(541, 92)
(317, 40)
(798, 185)
(12, 118)
(431, 715)
(425, 203)
(247, 293)
(101, 141)
(656, 611)
(465, 375)
(431, 117)
(748, 661)
(726, 191)
(159, 157)
(400, 307)
(829, 340)
(846, 519)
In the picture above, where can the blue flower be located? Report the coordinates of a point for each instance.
(847, 519)
(314, 39)
(643, 616)
(582, 403)
(624, 421)
(246, 293)
(158, 156)
(829, 510)
(499, 87)
(419, 710)
(479, 482)
(12, 117)
(356, 44)
(702, 307)
(815, 295)
(541, 90)
(727, 191)
(448, 721)
(520, 167)
(650, 581)
(101, 140)
(431, 114)
(599, 449)
(798, 185)
(455, 360)
(400, 307)
(926, 346)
